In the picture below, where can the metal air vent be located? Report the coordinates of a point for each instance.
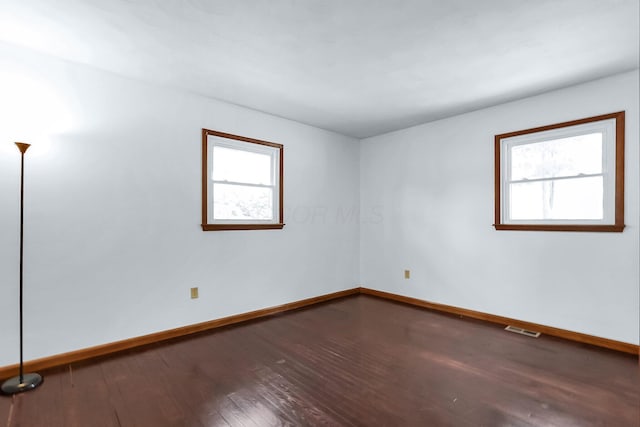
(522, 331)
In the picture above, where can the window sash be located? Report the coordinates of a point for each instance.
(244, 146)
(271, 195)
(550, 203)
(250, 148)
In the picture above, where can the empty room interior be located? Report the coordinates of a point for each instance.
(356, 213)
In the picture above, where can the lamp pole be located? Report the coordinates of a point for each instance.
(23, 382)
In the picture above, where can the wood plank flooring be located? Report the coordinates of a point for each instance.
(356, 361)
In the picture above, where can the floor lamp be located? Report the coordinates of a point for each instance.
(23, 382)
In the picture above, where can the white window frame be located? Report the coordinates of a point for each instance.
(611, 126)
(211, 139)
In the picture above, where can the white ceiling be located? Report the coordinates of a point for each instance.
(357, 67)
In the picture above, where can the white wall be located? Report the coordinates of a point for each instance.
(113, 239)
(433, 185)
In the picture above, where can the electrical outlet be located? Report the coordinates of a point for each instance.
(194, 293)
(407, 274)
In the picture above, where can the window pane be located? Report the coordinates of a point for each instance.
(239, 202)
(241, 166)
(577, 198)
(558, 157)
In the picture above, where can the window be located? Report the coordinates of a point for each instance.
(241, 183)
(563, 177)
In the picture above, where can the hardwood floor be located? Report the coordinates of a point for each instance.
(356, 361)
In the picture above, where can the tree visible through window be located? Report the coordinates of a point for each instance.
(568, 176)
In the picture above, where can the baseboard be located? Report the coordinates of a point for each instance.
(114, 347)
(549, 330)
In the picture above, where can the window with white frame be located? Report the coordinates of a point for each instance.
(566, 177)
(241, 182)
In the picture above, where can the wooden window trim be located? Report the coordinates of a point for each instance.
(618, 225)
(205, 186)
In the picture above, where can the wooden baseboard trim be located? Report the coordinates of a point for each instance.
(549, 330)
(114, 347)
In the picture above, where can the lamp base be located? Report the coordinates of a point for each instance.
(14, 385)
